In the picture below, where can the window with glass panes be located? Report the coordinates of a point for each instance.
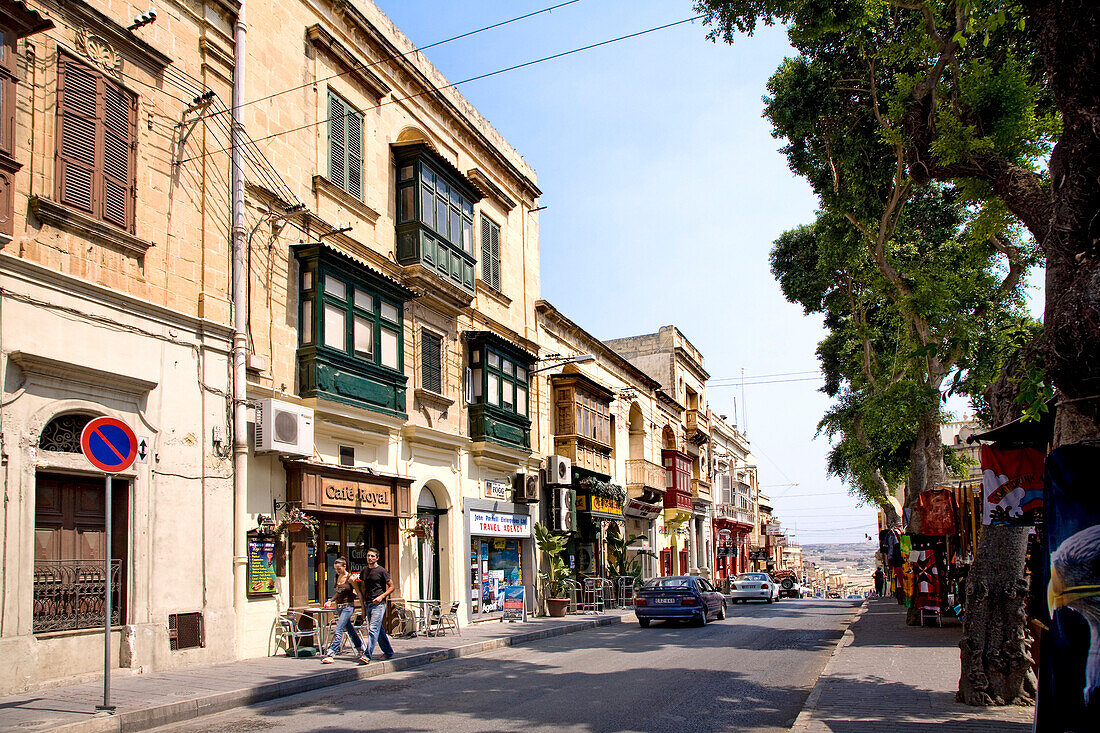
(435, 215)
(442, 206)
(499, 380)
(353, 319)
(593, 418)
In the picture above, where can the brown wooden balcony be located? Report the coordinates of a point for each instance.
(701, 489)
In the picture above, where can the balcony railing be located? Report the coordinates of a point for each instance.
(737, 514)
(640, 472)
(68, 594)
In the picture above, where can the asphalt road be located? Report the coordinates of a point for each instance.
(752, 671)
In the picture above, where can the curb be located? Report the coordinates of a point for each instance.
(177, 712)
(802, 722)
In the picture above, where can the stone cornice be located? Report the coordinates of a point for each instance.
(32, 272)
(33, 364)
(356, 69)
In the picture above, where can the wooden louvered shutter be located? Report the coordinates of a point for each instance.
(354, 131)
(486, 252)
(431, 359)
(336, 141)
(495, 243)
(78, 122)
(118, 156)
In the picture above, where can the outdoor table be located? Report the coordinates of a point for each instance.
(424, 622)
(320, 622)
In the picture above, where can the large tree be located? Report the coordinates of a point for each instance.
(999, 100)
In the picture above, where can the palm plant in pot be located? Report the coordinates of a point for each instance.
(552, 546)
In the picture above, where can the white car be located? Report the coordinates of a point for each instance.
(754, 587)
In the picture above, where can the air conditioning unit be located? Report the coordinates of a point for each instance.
(284, 428)
(563, 509)
(559, 471)
(525, 487)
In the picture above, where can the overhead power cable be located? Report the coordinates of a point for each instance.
(747, 383)
(763, 376)
(361, 67)
(486, 75)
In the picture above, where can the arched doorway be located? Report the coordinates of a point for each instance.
(427, 516)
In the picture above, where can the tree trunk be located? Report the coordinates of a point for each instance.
(925, 471)
(995, 647)
(996, 661)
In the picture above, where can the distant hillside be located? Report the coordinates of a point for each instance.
(854, 558)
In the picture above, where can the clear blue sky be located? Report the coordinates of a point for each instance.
(665, 192)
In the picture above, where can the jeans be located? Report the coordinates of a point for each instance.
(344, 616)
(375, 633)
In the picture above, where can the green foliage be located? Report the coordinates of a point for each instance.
(618, 564)
(911, 279)
(552, 546)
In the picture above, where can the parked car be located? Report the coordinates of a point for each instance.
(678, 597)
(754, 587)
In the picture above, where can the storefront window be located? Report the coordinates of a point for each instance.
(496, 562)
(342, 538)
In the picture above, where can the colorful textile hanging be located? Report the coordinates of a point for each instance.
(926, 580)
(1012, 486)
(937, 511)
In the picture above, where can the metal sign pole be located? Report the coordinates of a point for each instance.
(107, 706)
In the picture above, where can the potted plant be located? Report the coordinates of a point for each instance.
(552, 546)
(422, 529)
(295, 520)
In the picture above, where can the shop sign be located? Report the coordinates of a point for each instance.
(496, 490)
(727, 551)
(598, 504)
(355, 495)
(638, 508)
(490, 524)
(774, 528)
(678, 529)
(758, 554)
(261, 568)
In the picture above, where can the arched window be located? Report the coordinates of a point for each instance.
(62, 434)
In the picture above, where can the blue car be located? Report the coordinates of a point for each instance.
(678, 597)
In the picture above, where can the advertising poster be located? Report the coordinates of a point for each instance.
(1069, 666)
(261, 567)
(1012, 486)
(512, 599)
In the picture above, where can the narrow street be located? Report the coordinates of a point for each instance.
(752, 671)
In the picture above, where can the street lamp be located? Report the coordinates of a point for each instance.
(560, 360)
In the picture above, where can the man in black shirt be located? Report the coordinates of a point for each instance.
(377, 586)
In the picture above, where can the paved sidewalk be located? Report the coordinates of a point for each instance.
(148, 700)
(886, 676)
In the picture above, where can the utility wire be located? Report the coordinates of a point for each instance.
(770, 381)
(763, 376)
(436, 90)
(361, 67)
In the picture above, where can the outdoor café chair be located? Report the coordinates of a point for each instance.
(448, 620)
(290, 631)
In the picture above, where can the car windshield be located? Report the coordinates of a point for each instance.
(668, 583)
(755, 577)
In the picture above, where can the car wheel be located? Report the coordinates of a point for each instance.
(722, 612)
(702, 620)
(644, 623)
(771, 600)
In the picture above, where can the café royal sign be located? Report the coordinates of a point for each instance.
(355, 495)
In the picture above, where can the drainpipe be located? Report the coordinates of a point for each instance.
(240, 343)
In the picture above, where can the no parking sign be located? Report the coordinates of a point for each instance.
(109, 444)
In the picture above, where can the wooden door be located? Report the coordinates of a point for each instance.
(684, 561)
